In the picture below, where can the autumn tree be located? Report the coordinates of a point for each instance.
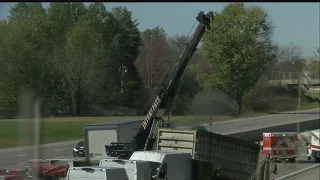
(238, 49)
(154, 59)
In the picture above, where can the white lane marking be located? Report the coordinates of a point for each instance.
(22, 154)
(303, 154)
(23, 163)
(58, 149)
(58, 157)
(258, 125)
(245, 127)
(297, 172)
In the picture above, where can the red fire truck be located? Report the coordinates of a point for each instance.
(281, 145)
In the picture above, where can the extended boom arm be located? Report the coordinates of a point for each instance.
(165, 96)
(169, 90)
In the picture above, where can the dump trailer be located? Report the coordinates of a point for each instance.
(235, 158)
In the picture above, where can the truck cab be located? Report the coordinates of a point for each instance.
(135, 170)
(166, 165)
(314, 146)
(97, 173)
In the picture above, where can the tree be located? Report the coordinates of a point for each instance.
(314, 64)
(123, 82)
(61, 18)
(238, 49)
(153, 61)
(24, 52)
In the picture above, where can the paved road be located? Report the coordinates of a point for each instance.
(17, 158)
(242, 125)
(312, 174)
(288, 168)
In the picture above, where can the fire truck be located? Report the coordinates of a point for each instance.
(314, 146)
(280, 145)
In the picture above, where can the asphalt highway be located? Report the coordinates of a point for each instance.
(247, 124)
(312, 174)
(17, 158)
(286, 168)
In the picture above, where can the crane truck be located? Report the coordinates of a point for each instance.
(145, 137)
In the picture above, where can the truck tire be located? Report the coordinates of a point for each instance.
(292, 160)
(309, 158)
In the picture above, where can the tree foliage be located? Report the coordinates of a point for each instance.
(81, 60)
(238, 49)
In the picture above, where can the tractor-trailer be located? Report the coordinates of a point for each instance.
(237, 159)
(99, 134)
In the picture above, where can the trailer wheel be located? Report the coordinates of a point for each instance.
(292, 160)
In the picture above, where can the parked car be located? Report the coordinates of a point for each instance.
(79, 149)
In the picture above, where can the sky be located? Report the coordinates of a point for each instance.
(296, 23)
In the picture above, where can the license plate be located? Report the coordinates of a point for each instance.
(80, 152)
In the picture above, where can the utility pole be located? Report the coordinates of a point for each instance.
(299, 108)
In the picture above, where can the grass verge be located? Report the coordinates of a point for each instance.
(19, 132)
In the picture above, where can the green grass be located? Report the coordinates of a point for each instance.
(19, 132)
(313, 95)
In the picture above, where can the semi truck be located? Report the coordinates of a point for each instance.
(150, 165)
(236, 158)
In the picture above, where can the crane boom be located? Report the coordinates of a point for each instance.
(168, 91)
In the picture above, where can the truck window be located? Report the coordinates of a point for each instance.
(154, 167)
(283, 142)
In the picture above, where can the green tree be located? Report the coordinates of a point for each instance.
(61, 18)
(23, 52)
(85, 53)
(123, 79)
(238, 49)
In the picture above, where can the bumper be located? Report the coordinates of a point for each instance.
(79, 153)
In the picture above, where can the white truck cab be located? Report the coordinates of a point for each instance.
(136, 170)
(166, 165)
(314, 146)
(96, 173)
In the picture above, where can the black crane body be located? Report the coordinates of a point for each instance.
(145, 136)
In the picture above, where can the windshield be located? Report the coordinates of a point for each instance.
(80, 144)
(154, 166)
(283, 142)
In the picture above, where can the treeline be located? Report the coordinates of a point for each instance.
(83, 60)
(87, 61)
